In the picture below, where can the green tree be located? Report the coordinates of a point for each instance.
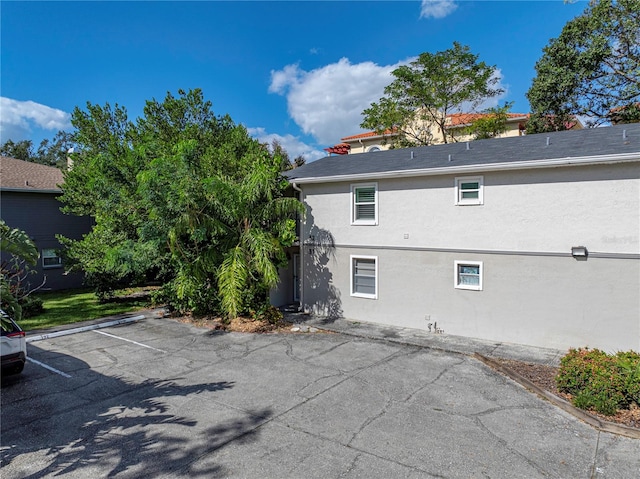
(20, 250)
(592, 68)
(21, 150)
(154, 188)
(229, 235)
(492, 123)
(50, 152)
(426, 90)
(56, 151)
(277, 150)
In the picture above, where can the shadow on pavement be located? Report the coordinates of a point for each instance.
(110, 423)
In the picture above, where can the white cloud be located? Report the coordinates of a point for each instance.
(327, 102)
(291, 144)
(19, 117)
(437, 8)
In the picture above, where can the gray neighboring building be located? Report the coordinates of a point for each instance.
(28, 201)
(531, 240)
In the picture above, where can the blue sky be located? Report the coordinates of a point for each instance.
(300, 72)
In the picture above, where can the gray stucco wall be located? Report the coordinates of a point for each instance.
(534, 292)
(39, 215)
(282, 294)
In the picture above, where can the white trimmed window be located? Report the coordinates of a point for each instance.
(50, 258)
(364, 276)
(364, 204)
(374, 148)
(468, 275)
(469, 190)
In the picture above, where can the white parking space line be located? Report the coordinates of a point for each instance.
(83, 329)
(129, 341)
(31, 360)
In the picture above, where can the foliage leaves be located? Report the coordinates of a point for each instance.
(428, 89)
(491, 124)
(182, 197)
(590, 70)
(20, 250)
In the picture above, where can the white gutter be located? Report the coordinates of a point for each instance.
(28, 190)
(481, 168)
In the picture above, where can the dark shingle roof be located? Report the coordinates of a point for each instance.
(613, 140)
(28, 176)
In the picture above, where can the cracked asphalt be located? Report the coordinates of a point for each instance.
(181, 401)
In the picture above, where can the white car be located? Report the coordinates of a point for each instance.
(13, 346)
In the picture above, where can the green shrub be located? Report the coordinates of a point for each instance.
(599, 381)
(271, 314)
(629, 364)
(31, 306)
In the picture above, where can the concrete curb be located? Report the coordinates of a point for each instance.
(593, 421)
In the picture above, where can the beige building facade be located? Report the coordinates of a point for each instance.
(457, 126)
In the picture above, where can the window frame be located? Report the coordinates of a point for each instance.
(352, 262)
(456, 275)
(354, 219)
(54, 255)
(459, 200)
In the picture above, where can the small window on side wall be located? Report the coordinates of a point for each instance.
(51, 259)
(364, 276)
(364, 204)
(468, 275)
(469, 190)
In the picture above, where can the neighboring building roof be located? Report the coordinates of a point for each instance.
(18, 175)
(607, 144)
(453, 120)
(465, 119)
(369, 134)
(339, 149)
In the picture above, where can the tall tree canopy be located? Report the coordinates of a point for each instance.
(50, 152)
(426, 90)
(592, 69)
(174, 196)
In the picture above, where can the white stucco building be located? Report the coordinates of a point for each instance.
(531, 240)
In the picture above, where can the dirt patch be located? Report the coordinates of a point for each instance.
(239, 325)
(544, 377)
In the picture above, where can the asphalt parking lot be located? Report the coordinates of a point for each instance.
(159, 398)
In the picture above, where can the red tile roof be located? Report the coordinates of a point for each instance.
(458, 119)
(455, 119)
(28, 176)
(369, 134)
(339, 149)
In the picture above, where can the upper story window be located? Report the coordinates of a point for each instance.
(364, 204)
(51, 259)
(469, 190)
(374, 148)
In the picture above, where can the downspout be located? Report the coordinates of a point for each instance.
(361, 144)
(301, 246)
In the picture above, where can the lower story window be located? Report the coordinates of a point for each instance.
(468, 275)
(51, 259)
(364, 276)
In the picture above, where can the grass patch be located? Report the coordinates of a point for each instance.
(66, 307)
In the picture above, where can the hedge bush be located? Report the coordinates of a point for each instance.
(600, 381)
